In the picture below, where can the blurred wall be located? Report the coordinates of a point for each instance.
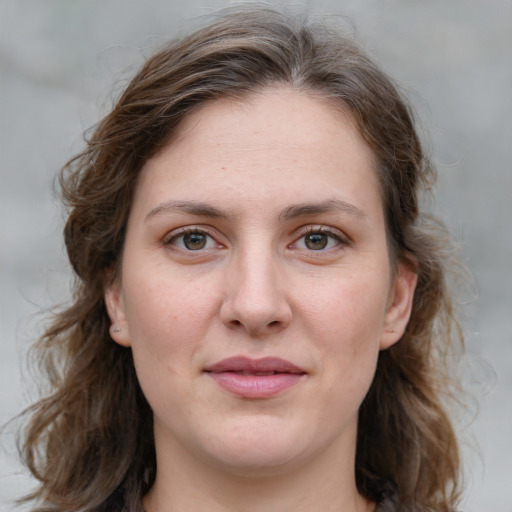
(61, 64)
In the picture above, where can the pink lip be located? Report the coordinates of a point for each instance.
(255, 378)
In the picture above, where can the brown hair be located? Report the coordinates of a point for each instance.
(91, 437)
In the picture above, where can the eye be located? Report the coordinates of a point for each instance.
(319, 239)
(316, 241)
(192, 240)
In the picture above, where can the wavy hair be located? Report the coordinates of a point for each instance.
(91, 437)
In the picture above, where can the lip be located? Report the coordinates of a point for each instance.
(255, 378)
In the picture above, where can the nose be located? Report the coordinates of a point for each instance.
(256, 299)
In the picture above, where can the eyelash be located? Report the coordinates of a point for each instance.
(341, 240)
(172, 239)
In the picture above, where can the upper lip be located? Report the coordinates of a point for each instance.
(252, 366)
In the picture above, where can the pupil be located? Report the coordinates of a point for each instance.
(194, 241)
(316, 241)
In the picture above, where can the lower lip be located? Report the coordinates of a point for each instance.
(255, 386)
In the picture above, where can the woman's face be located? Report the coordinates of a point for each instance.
(256, 289)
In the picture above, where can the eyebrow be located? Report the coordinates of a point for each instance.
(310, 209)
(190, 207)
(291, 212)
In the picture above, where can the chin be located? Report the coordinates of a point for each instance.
(258, 448)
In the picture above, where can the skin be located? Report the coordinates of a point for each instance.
(262, 285)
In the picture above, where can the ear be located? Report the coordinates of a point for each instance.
(114, 303)
(399, 306)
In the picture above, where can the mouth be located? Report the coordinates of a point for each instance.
(255, 378)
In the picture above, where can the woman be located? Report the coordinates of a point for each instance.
(260, 319)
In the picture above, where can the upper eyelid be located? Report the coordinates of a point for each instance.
(185, 230)
(328, 230)
(318, 229)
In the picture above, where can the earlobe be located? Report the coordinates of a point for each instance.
(116, 312)
(400, 306)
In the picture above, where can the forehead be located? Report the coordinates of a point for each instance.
(279, 114)
(276, 140)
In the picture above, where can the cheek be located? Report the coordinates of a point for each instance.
(167, 322)
(346, 323)
(167, 312)
(349, 312)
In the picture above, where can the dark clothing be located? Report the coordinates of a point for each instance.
(116, 504)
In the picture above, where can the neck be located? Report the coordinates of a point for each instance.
(324, 483)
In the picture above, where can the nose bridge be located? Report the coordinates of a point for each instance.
(255, 299)
(256, 272)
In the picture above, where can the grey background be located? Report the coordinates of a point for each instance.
(62, 62)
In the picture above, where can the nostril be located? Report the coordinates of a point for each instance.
(274, 323)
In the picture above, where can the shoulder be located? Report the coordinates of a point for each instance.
(391, 503)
